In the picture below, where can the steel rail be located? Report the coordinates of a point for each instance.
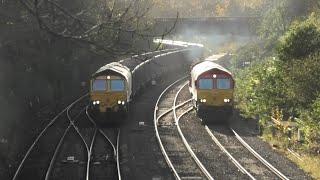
(41, 134)
(77, 129)
(261, 159)
(57, 150)
(91, 145)
(118, 161)
(163, 151)
(55, 154)
(115, 149)
(90, 153)
(234, 161)
(171, 109)
(101, 132)
(185, 142)
(83, 140)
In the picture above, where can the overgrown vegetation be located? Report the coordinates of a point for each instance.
(279, 76)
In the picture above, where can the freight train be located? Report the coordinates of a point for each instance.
(114, 85)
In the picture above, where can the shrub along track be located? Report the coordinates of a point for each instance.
(246, 130)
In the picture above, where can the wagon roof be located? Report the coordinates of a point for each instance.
(205, 66)
(216, 57)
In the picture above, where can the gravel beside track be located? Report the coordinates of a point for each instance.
(179, 156)
(183, 95)
(248, 132)
(64, 169)
(36, 165)
(70, 160)
(216, 162)
(103, 164)
(170, 137)
(182, 109)
(201, 143)
(240, 153)
(75, 146)
(141, 158)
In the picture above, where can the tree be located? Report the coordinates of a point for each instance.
(109, 26)
(301, 40)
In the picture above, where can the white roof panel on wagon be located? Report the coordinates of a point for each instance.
(216, 57)
(205, 66)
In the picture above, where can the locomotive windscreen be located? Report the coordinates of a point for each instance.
(117, 85)
(205, 84)
(223, 83)
(99, 85)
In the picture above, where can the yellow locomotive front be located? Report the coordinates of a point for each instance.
(110, 89)
(211, 87)
(108, 93)
(215, 91)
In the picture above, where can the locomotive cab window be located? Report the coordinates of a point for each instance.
(223, 83)
(117, 85)
(99, 85)
(205, 84)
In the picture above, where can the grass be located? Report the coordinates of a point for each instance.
(307, 162)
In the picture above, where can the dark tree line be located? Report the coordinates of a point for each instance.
(48, 47)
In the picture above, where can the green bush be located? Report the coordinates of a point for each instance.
(302, 39)
(290, 82)
(309, 122)
(259, 89)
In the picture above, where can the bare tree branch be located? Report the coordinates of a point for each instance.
(104, 35)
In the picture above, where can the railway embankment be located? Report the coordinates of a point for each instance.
(279, 87)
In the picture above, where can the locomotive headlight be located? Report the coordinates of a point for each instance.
(226, 100)
(119, 102)
(96, 102)
(203, 100)
(122, 102)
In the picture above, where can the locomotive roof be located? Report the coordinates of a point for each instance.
(116, 67)
(205, 66)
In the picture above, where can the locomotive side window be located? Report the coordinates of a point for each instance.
(117, 85)
(99, 85)
(205, 84)
(223, 84)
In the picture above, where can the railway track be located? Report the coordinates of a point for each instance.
(104, 165)
(178, 154)
(239, 152)
(69, 148)
(243, 156)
